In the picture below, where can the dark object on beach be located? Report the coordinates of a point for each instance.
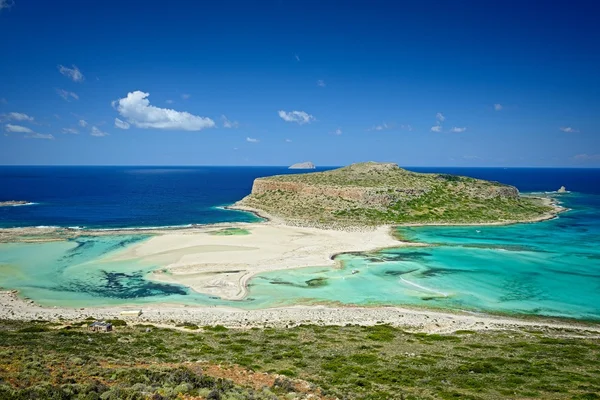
(100, 326)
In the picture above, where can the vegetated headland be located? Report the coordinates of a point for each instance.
(373, 194)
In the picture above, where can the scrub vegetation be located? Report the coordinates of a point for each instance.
(41, 360)
(379, 194)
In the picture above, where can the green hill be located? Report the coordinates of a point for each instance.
(382, 193)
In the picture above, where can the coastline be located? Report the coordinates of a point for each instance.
(13, 307)
(195, 258)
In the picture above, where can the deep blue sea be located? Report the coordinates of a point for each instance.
(549, 268)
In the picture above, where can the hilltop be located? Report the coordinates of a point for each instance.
(383, 193)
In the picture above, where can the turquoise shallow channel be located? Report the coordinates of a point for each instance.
(550, 268)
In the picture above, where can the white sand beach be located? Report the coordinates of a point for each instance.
(221, 265)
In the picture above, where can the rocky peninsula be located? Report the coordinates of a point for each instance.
(375, 194)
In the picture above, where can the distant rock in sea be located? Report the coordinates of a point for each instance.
(13, 203)
(562, 190)
(303, 165)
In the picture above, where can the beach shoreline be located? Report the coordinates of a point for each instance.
(222, 266)
(12, 307)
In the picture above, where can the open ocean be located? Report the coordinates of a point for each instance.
(548, 268)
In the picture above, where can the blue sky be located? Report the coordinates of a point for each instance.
(447, 83)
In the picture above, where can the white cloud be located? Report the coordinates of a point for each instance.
(97, 132)
(186, 96)
(288, 140)
(587, 157)
(300, 117)
(338, 131)
(381, 127)
(66, 94)
(72, 73)
(321, 83)
(440, 117)
(229, 124)
(169, 101)
(297, 57)
(121, 124)
(17, 128)
(458, 130)
(137, 111)
(498, 107)
(70, 130)
(35, 135)
(406, 127)
(83, 123)
(472, 157)
(568, 129)
(6, 4)
(29, 134)
(436, 128)
(18, 116)
(252, 140)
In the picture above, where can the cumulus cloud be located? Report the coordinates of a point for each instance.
(66, 94)
(70, 130)
(121, 124)
(498, 107)
(169, 101)
(338, 131)
(568, 129)
(97, 132)
(436, 128)
(229, 124)
(321, 83)
(137, 111)
(458, 130)
(440, 117)
(288, 140)
(72, 73)
(252, 140)
(18, 116)
(83, 123)
(300, 117)
(17, 128)
(6, 4)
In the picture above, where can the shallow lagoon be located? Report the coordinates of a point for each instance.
(548, 268)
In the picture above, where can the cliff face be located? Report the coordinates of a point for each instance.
(378, 193)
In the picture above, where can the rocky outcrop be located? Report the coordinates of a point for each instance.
(562, 190)
(303, 165)
(13, 203)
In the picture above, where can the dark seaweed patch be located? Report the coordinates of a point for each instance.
(393, 272)
(316, 282)
(124, 286)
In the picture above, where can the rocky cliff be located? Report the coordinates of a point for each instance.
(382, 193)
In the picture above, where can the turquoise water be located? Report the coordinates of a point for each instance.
(549, 268)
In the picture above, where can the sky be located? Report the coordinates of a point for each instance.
(419, 83)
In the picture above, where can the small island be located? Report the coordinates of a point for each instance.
(12, 203)
(303, 165)
(375, 194)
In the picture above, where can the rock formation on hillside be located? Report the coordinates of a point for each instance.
(382, 193)
(303, 165)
